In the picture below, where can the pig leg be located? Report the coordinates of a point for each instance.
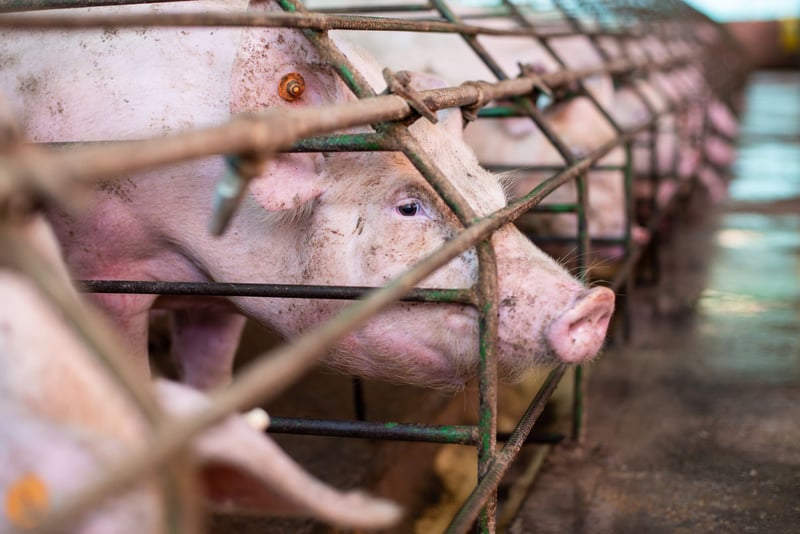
(204, 344)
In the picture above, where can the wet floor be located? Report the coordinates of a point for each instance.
(695, 425)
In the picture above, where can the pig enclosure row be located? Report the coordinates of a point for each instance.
(606, 114)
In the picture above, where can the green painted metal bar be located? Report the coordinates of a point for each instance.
(488, 324)
(500, 112)
(627, 320)
(584, 247)
(470, 510)
(318, 21)
(372, 8)
(9, 6)
(455, 434)
(556, 208)
(499, 167)
(459, 296)
(458, 434)
(346, 143)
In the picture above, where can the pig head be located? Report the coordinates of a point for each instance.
(340, 218)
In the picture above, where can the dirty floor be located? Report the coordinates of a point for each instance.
(695, 425)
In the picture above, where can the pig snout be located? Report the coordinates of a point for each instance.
(547, 317)
(578, 333)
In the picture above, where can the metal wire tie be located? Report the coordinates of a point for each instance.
(532, 72)
(470, 112)
(399, 83)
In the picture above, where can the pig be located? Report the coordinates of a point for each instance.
(65, 419)
(518, 141)
(342, 218)
(685, 141)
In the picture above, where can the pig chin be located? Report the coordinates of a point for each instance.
(436, 351)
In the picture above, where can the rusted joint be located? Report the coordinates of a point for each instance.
(470, 112)
(533, 73)
(399, 83)
(239, 170)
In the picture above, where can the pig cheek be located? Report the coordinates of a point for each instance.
(298, 315)
(399, 244)
(423, 344)
(519, 348)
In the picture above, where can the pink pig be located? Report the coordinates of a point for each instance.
(65, 418)
(342, 218)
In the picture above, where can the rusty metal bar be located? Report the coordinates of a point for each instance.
(371, 8)
(469, 237)
(54, 172)
(306, 20)
(499, 465)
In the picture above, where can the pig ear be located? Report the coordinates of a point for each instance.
(245, 471)
(289, 182)
(450, 119)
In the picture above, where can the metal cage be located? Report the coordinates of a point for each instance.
(620, 21)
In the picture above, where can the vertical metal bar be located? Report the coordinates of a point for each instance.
(545, 42)
(629, 222)
(488, 294)
(578, 412)
(525, 103)
(359, 404)
(487, 283)
(469, 510)
(654, 178)
(487, 417)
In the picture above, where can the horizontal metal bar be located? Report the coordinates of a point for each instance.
(222, 289)
(346, 143)
(594, 241)
(309, 20)
(371, 8)
(458, 434)
(10, 6)
(502, 167)
(554, 208)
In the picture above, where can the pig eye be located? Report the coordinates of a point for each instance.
(409, 209)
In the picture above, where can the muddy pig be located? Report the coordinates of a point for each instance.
(342, 218)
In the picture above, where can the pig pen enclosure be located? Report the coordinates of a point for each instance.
(679, 72)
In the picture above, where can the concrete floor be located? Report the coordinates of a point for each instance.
(695, 425)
